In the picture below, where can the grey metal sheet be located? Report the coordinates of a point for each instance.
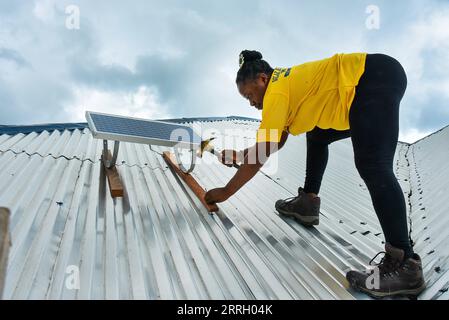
(158, 242)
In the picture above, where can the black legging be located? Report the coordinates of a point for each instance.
(374, 128)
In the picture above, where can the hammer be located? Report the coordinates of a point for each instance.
(207, 146)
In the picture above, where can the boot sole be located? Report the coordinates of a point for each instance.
(306, 221)
(411, 293)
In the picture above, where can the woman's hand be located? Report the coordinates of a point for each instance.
(217, 195)
(231, 157)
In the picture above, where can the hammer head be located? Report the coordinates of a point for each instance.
(205, 145)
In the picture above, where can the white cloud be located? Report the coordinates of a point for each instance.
(142, 103)
(188, 52)
(413, 135)
(44, 10)
(427, 35)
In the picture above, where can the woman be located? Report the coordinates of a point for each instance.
(348, 95)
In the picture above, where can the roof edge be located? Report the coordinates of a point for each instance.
(429, 135)
(25, 129)
(210, 119)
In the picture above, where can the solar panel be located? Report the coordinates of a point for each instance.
(120, 128)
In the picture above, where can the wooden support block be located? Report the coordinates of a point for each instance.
(115, 184)
(4, 246)
(191, 182)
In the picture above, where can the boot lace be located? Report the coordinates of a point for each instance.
(289, 200)
(387, 265)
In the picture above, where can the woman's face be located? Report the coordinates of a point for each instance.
(254, 90)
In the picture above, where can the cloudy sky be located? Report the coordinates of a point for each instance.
(159, 59)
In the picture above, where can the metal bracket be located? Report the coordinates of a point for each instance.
(110, 163)
(192, 163)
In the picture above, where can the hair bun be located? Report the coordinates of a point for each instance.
(248, 56)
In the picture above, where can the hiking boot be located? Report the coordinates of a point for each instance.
(396, 276)
(303, 208)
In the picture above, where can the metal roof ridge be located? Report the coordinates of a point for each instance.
(429, 135)
(15, 129)
(25, 129)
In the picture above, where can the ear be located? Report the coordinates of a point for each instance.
(264, 78)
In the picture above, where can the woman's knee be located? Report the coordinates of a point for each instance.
(375, 173)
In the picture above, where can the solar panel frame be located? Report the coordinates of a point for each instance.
(193, 143)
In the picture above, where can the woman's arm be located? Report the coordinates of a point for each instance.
(254, 159)
(281, 143)
(245, 173)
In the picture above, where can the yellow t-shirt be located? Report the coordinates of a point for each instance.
(317, 93)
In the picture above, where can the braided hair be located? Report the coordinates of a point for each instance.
(251, 64)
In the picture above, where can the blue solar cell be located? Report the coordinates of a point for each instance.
(145, 129)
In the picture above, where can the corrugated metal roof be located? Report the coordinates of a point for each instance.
(158, 242)
(429, 179)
